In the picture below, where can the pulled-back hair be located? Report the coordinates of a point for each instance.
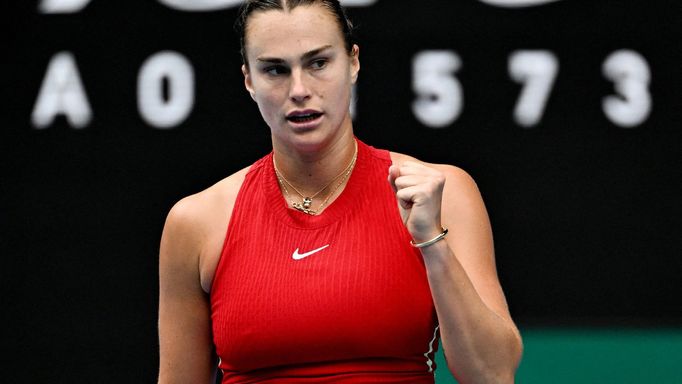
(251, 6)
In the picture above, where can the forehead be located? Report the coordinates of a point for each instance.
(281, 33)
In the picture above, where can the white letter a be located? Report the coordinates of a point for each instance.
(62, 92)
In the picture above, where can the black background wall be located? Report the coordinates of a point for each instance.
(584, 199)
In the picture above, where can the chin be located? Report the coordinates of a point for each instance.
(308, 138)
(308, 141)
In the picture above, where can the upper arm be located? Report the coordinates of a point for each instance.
(470, 238)
(186, 353)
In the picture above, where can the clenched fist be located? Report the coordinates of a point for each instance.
(419, 192)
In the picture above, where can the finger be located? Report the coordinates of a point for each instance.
(411, 180)
(411, 195)
(412, 168)
(393, 174)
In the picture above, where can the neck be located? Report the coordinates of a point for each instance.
(310, 171)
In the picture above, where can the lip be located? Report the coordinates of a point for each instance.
(306, 124)
(302, 112)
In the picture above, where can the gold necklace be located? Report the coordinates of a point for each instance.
(306, 201)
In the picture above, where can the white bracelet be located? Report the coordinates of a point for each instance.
(429, 242)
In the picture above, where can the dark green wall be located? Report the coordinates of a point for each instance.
(574, 355)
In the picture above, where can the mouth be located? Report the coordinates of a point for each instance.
(303, 117)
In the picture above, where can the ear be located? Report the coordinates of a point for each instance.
(247, 81)
(355, 63)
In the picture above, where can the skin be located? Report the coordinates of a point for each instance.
(297, 61)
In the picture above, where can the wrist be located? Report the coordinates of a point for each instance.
(438, 236)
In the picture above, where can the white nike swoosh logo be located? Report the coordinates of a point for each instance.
(299, 256)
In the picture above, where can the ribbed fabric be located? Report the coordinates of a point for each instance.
(359, 310)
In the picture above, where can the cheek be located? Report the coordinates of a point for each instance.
(266, 106)
(268, 99)
(341, 93)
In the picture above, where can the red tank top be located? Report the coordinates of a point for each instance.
(339, 297)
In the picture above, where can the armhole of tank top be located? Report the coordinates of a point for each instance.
(240, 195)
(381, 154)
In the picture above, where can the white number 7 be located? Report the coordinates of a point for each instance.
(536, 70)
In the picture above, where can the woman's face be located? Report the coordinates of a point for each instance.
(300, 74)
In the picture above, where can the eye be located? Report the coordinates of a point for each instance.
(319, 63)
(275, 70)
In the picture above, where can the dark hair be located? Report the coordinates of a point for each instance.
(250, 6)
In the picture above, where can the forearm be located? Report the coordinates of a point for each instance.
(484, 347)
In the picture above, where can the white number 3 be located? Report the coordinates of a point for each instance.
(630, 74)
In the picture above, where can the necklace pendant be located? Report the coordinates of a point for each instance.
(303, 208)
(307, 201)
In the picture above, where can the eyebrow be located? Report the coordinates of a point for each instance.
(305, 56)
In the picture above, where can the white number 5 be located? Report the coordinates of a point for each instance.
(439, 93)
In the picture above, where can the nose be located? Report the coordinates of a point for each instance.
(298, 88)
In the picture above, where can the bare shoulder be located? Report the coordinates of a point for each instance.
(457, 180)
(194, 212)
(194, 222)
